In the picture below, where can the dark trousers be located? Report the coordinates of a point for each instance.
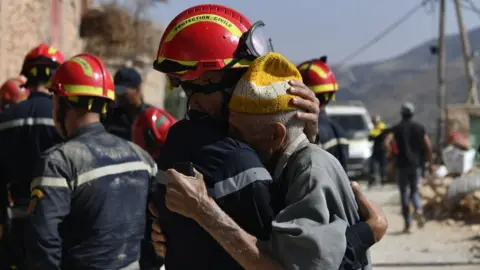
(378, 169)
(408, 183)
(12, 252)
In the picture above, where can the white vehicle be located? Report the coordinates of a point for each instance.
(355, 120)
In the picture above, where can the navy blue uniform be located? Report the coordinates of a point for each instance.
(26, 130)
(120, 121)
(332, 139)
(89, 199)
(235, 178)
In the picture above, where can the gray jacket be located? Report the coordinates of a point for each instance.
(317, 206)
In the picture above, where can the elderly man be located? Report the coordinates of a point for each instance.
(314, 206)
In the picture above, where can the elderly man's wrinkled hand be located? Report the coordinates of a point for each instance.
(308, 103)
(372, 213)
(185, 195)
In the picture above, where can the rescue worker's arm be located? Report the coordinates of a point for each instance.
(50, 204)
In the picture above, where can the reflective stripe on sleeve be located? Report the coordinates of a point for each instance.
(334, 142)
(239, 181)
(30, 121)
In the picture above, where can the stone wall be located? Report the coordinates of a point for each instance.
(26, 23)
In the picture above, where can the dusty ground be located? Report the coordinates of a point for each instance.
(439, 245)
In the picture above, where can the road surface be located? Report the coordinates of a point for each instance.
(439, 245)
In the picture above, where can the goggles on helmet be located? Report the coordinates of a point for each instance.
(252, 44)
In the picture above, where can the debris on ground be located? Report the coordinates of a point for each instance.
(450, 197)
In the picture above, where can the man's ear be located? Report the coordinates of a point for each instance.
(279, 135)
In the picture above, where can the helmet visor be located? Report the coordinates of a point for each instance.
(257, 40)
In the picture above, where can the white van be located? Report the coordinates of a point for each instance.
(355, 120)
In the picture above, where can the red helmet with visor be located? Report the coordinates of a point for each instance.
(209, 37)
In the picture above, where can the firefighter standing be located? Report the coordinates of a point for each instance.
(13, 92)
(26, 131)
(89, 194)
(321, 80)
(128, 104)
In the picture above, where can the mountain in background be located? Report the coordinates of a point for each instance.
(384, 85)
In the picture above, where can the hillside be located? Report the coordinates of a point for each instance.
(412, 76)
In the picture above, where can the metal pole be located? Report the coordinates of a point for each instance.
(467, 55)
(441, 77)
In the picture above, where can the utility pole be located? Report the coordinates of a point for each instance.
(441, 77)
(467, 55)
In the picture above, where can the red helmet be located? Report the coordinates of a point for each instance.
(318, 76)
(42, 55)
(209, 37)
(84, 75)
(12, 91)
(150, 129)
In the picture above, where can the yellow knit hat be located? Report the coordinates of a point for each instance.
(263, 88)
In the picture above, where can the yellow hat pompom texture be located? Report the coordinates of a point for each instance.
(263, 88)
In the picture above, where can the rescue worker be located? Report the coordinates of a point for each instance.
(208, 92)
(222, 42)
(13, 92)
(378, 160)
(128, 104)
(150, 130)
(413, 144)
(26, 131)
(304, 234)
(318, 76)
(89, 194)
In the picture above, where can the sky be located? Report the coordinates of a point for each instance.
(303, 29)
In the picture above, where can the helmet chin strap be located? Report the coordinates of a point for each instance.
(61, 116)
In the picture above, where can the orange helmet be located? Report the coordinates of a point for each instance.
(150, 129)
(82, 78)
(318, 76)
(41, 56)
(209, 37)
(12, 91)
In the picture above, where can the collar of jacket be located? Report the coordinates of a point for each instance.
(39, 94)
(289, 150)
(88, 128)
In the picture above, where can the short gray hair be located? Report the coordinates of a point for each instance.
(289, 119)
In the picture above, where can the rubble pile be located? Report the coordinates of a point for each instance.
(438, 206)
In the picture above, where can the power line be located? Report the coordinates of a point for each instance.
(471, 7)
(384, 33)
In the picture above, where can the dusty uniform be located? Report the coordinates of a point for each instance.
(89, 199)
(317, 225)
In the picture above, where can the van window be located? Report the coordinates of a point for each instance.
(351, 123)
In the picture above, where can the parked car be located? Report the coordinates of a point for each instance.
(355, 120)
